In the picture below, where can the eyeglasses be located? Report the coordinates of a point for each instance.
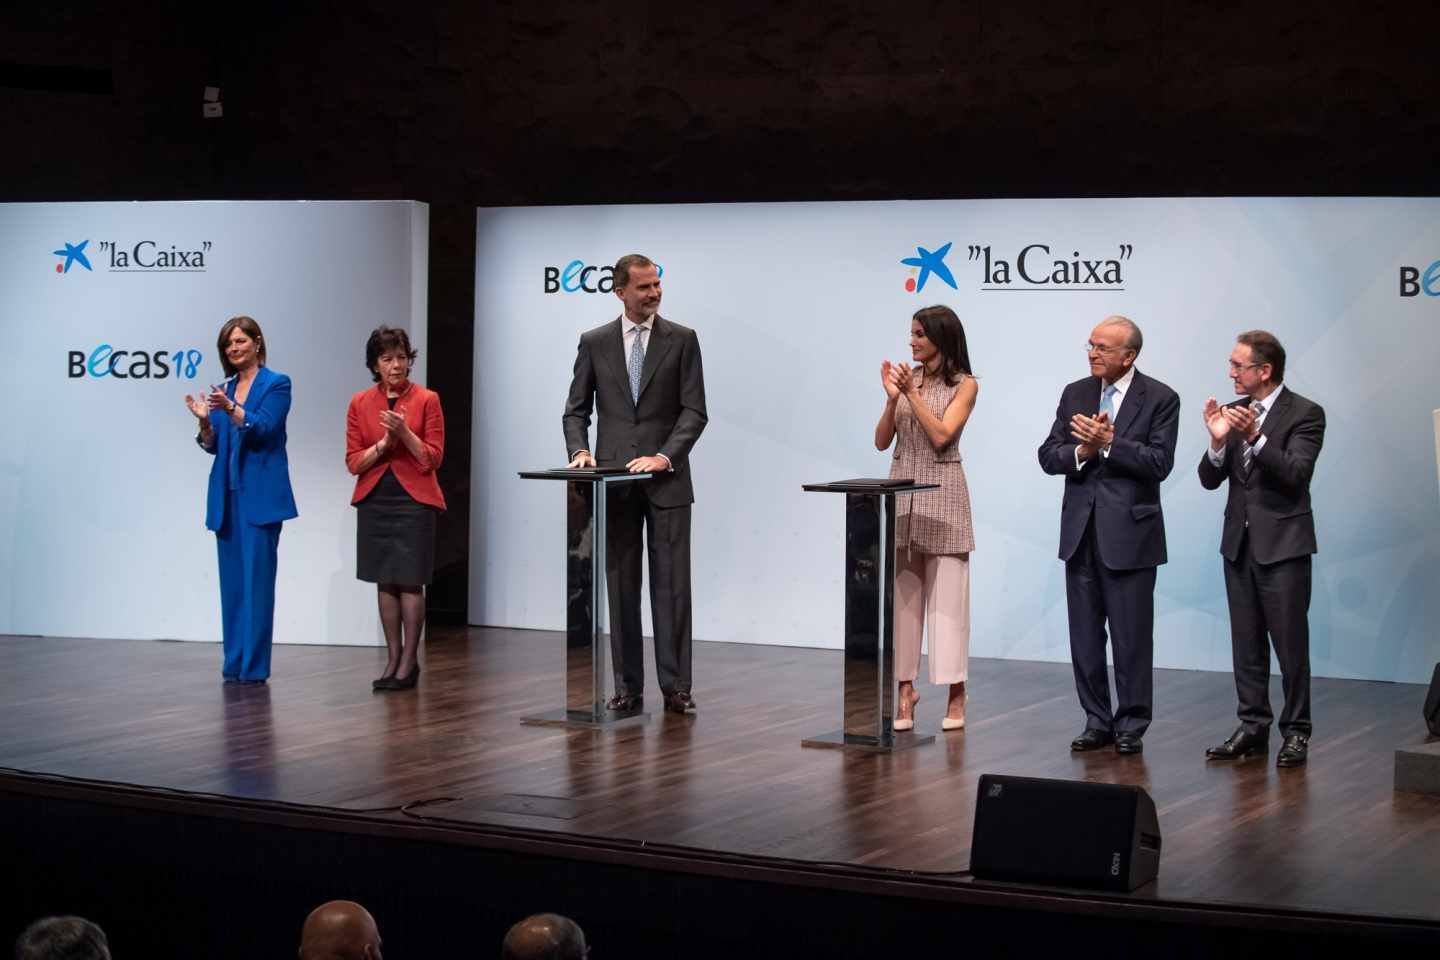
(1237, 367)
(1102, 350)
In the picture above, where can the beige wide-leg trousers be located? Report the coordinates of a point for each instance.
(932, 592)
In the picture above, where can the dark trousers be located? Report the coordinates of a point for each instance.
(1125, 599)
(1270, 602)
(666, 534)
(247, 554)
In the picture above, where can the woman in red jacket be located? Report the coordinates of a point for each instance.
(394, 442)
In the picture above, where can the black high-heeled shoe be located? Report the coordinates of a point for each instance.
(405, 683)
(382, 683)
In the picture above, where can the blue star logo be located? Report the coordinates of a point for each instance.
(931, 263)
(74, 253)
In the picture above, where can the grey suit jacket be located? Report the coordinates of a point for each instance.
(667, 419)
(1274, 499)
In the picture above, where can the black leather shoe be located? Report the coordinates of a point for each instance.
(625, 702)
(1292, 752)
(1128, 743)
(679, 701)
(1241, 744)
(1092, 739)
(404, 683)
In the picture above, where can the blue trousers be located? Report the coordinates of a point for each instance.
(247, 591)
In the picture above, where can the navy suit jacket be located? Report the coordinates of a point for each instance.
(1123, 489)
(264, 469)
(1273, 501)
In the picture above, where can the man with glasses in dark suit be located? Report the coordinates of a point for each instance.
(1265, 444)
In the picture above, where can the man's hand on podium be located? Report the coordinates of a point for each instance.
(582, 459)
(648, 465)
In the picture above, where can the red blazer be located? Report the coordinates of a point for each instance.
(421, 408)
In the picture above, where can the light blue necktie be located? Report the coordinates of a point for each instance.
(1107, 402)
(637, 363)
(1247, 452)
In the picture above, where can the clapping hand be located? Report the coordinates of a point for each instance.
(1216, 422)
(887, 379)
(393, 422)
(217, 399)
(1242, 420)
(904, 380)
(1094, 433)
(197, 406)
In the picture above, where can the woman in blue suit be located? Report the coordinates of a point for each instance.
(242, 424)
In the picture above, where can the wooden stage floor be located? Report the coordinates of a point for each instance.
(1330, 839)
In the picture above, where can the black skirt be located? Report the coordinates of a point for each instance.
(395, 536)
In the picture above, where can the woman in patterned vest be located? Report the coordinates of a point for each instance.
(926, 409)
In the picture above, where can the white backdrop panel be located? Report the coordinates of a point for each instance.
(102, 489)
(797, 304)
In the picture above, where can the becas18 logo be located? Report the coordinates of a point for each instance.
(106, 361)
(577, 276)
(1412, 284)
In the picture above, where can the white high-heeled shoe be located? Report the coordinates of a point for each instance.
(955, 723)
(907, 723)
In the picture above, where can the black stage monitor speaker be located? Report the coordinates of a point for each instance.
(1067, 833)
(1432, 703)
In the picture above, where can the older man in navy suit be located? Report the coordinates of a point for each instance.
(1114, 442)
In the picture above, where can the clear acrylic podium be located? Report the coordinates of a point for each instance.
(869, 706)
(586, 642)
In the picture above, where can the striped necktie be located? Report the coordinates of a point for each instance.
(1247, 452)
(636, 363)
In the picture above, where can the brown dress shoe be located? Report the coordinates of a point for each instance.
(679, 701)
(625, 702)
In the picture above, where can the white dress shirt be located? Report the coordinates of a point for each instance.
(628, 332)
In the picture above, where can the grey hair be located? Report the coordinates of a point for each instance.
(1134, 339)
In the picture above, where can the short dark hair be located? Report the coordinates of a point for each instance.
(1265, 348)
(620, 278)
(62, 938)
(943, 328)
(251, 329)
(383, 340)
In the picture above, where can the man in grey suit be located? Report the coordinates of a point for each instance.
(1114, 442)
(1266, 444)
(643, 373)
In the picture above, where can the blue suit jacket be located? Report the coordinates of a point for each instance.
(264, 468)
(1123, 489)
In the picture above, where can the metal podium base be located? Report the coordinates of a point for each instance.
(838, 740)
(601, 719)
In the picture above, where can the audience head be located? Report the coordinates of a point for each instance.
(340, 930)
(62, 938)
(545, 936)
